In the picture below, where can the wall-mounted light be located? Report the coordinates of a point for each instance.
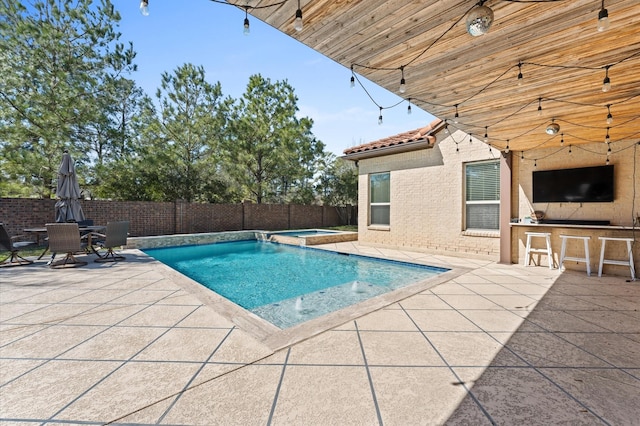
(144, 7)
(479, 19)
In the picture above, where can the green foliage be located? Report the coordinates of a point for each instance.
(338, 182)
(269, 152)
(58, 58)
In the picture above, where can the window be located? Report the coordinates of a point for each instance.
(482, 188)
(379, 199)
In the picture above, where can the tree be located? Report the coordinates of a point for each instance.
(268, 150)
(338, 185)
(58, 59)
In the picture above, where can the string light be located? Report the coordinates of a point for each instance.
(603, 19)
(609, 116)
(246, 30)
(535, 163)
(539, 107)
(569, 149)
(353, 78)
(446, 127)
(522, 155)
(607, 162)
(608, 149)
(606, 83)
(144, 7)
(561, 139)
(403, 86)
(457, 149)
(470, 138)
(486, 134)
(506, 150)
(520, 74)
(607, 139)
(380, 117)
(456, 116)
(298, 24)
(409, 107)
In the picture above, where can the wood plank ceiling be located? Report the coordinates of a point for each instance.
(562, 54)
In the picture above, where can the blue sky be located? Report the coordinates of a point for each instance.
(210, 34)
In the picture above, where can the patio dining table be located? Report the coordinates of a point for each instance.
(39, 232)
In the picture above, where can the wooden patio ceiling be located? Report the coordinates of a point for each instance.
(563, 62)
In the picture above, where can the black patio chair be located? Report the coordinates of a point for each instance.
(13, 247)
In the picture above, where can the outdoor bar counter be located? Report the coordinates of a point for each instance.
(575, 247)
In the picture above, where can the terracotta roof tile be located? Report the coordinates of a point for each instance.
(399, 139)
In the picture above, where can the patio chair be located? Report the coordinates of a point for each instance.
(65, 238)
(115, 236)
(13, 247)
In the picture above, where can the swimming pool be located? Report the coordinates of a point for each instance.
(288, 285)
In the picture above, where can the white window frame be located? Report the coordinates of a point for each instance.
(388, 203)
(481, 202)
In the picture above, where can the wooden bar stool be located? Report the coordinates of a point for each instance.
(586, 259)
(628, 262)
(529, 249)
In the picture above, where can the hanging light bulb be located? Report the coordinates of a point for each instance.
(607, 162)
(520, 74)
(535, 163)
(353, 78)
(380, 117)
(486, 134)
(607, 139)
(446, 127)
(403, 85)
(297, 24)
(522, 155)
(470, 138)
(569, 149)
(246, 30)
(609, 116)
(539, 107)
(606, 83)
(603, 19)
(479, 19)
(561, 139)
(457, 149)
(144, 7)
(456, 116)
(409, 107)
(608, 149)
(506, 150)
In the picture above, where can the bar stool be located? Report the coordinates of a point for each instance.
(529, 249)
(586, 259)
(628, 262)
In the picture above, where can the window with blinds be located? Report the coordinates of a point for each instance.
(379, 199)
(482, 195)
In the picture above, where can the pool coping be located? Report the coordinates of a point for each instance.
(275, 338)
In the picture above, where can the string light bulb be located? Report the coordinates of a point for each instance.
(606, 83)
(535, 163)
(561, 139)
(409, 107)
(609, 116)
(144, 7)
(470, 137)
(539, 107)
(380, 117)
(246, 30)
(569, 149)
(520, 77)
(486, 134)
(456, 115)
(457, 149)
(603, 19)
(607, 162)
(522, 155)
(353, 78)
(298, 24)
(403, 85)
(446, 127)
(506, 150)
(607, 139)
(608, 149)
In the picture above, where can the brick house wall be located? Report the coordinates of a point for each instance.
(427, 204)
(151, 218)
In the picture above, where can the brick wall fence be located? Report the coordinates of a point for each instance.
(152, 218)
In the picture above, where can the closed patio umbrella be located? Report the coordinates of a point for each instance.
(68, 208)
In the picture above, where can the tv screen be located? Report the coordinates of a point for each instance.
(580, 185)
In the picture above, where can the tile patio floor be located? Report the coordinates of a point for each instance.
(130, 343)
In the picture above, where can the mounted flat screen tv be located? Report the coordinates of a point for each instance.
(580, 185)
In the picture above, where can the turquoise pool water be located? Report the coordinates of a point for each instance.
(287, 285)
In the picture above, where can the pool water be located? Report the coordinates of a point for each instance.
(287, 285)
